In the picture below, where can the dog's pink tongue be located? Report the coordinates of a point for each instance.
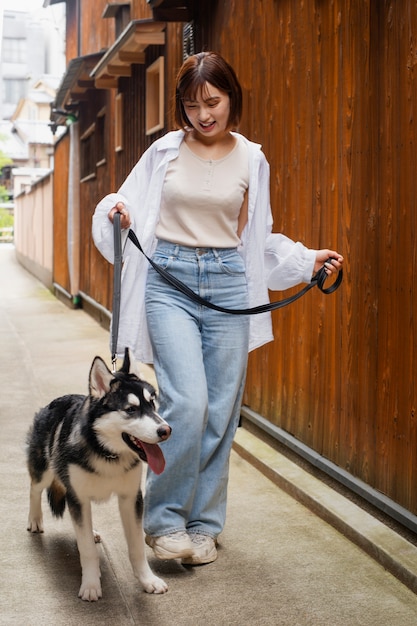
(154, 456)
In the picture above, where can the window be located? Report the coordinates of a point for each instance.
(88, 154)
(93, 147)
(155, 96)
(14, 89)
(14, 50)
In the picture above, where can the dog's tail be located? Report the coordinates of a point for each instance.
(56, 498)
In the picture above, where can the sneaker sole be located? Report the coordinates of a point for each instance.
(203, 560)
(167, 555)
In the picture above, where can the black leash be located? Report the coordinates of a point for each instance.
(318, 280)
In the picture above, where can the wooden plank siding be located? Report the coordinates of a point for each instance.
(97, 275)
(396, 269)
(60, 212)
(329, 91)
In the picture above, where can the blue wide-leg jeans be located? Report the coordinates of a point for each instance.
(200, 359)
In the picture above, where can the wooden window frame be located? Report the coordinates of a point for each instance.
(100, 140)
(118, 123)
(88, 154)
(155, 101)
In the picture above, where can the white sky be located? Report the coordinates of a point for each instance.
(54, 12)
(21, 5)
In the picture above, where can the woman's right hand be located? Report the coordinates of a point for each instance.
(125, 221)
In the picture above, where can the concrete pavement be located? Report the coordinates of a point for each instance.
(279, 562)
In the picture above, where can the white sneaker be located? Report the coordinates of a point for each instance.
(204, 550)
(176, 545)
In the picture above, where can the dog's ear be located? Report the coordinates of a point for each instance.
(100, 378)
(129, 364)
(126, 361)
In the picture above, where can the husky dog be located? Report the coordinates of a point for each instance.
(85, 448)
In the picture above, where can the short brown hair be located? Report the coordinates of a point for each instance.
(207, 67)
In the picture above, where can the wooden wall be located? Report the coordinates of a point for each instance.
(60, 213)
(33, 229)
(329, 91)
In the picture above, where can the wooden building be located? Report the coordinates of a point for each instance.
(329, 92)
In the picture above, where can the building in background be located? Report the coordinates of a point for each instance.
(32, 63)
(33, 45)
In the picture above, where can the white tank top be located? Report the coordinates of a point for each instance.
(201, 199)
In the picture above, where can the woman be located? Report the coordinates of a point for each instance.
(198, 200)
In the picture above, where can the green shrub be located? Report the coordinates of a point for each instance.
(6, 219)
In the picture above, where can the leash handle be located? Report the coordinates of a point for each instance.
(321, 276)
(318, 279)
(117, 282)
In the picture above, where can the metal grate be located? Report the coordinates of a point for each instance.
(188, 47)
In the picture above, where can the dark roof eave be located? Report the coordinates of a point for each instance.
(78, 68)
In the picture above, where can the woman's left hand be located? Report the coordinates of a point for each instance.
(331, 260)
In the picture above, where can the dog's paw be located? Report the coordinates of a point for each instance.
(155, 585)
(90, 591)
(35, 525)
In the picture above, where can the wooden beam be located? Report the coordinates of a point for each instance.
(131, 57)
(112, 8)
(173, 15)
(85, 84)
(134, 40)
(118, 70)
(156, 38)
(106, 82)
(77, 97)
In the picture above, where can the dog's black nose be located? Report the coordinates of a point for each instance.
(164, 432)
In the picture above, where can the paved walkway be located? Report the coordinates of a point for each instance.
(279, 563)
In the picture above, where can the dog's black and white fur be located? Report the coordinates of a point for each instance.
(85, 448)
